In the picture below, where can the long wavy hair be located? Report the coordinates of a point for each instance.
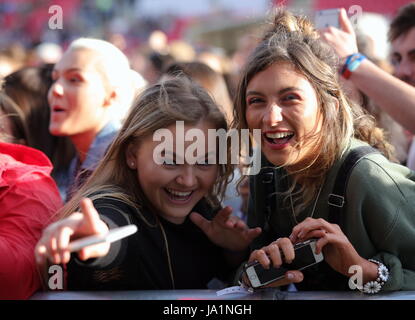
(159, 106)
(293, 39)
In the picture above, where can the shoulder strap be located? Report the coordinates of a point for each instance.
(337, 198)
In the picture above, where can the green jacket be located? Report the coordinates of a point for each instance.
(379, 219)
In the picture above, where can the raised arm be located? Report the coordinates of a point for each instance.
(392, 95)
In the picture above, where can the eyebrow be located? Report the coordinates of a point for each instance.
(282, 91)
(68, 70)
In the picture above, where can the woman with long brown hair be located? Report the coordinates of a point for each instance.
(289, 90)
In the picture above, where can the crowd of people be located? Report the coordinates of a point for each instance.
(79, 156)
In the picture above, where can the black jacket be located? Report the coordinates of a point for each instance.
(140, 262)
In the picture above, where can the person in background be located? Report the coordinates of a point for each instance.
(28, 88)
(402, 37)
(393, 94)
(91, 82)
(155, 63)
(12, 58)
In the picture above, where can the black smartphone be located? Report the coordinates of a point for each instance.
(305, 256)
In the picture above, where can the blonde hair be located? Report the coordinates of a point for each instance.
(116, 71)
(159, 106)
(293, 39)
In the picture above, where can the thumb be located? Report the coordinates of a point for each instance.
(345, 23)
(94, 251)
(294, 276)
(200, 221)
(253, 233)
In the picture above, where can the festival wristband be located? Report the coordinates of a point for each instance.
(352, 63)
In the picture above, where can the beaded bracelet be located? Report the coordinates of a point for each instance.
(372, 287)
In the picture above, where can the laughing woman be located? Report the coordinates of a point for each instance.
(322, 176)
(170, 201)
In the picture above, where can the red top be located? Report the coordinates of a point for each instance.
(29, 199)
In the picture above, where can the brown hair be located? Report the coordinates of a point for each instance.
(28, 87)
(293, 39)
(159, 106)
(403, 22)
(12, 112)
(209, 79)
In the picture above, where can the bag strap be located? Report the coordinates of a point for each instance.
(337, 199)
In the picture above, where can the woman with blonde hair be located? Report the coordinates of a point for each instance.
(326, 173)
(91, 83)
(182, 232)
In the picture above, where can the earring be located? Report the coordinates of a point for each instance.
(132, 165)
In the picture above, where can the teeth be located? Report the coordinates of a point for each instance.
(278, 135)
(178, 193)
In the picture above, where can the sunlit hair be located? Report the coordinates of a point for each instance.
(159, 106)
(293, 39)
(209, 79)
(116, 71)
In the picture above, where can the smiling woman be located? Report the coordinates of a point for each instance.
(324, 175)
(183, 232)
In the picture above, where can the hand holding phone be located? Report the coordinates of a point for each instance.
(55, 245)
(305, 257)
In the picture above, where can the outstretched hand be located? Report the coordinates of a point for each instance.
(225, 230)
(54, 244)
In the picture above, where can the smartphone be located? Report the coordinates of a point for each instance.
(112, 236)
(326, 18)
(305, 256)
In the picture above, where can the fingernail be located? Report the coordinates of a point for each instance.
(290, 276)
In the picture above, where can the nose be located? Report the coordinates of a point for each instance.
(187, 177)
(273, 115)
(56, 89)
(403, 70)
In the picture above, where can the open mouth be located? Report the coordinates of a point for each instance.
(178, 196)
(58, 109)
(279, 138)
